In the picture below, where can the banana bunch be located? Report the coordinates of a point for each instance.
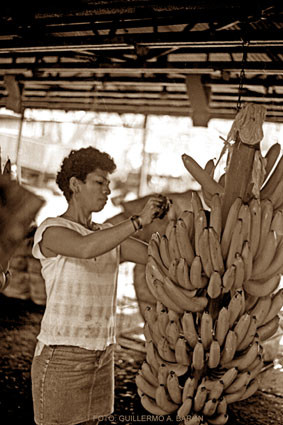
(216, 285)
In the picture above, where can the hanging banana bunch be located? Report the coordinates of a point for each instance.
(215, 279)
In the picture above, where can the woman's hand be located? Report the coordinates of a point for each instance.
(156, 207)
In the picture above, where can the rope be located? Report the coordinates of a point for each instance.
(242, 73)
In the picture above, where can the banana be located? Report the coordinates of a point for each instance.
(149, 374)
(183, 278)
(178, 368)
(248, 260)
(222, 325)
(155, 268)
(182, 298)
(206, 330)
(221, 419)
(215, 251)
(184, 244)
(150, 405)
(164, 251)
(164, 350)
(229, 377)
(243, 361)
(185, 408)
(153, 251)
(181, 352)
(222, 405)
(229, 349)
(173, 388)
(163, 401)
(200, 223)
(209, 168)
(251, 300)
(276, 305)
(277, 222)
(256, 366)
(196, 202)
(172, 333)
(164, 298)
(173, 315)
(159, 307)
(214, 287)
(150, 315)
(228, 278)
(200, 398)
(241, 381)
(147, 332)
(266, 219)
(209, 407)
(196, 278)
(261, 309)
(173, 245)
(229, 226)
(264, 259)
(204, 252)
(214, 354)
(271, 157)
(249, 336)
(233, 397)
(145, 386)
(245, 216)
(171, 223)
(216, 390)
(275, 265)
(162, 320)
(239, 272)
(188, 217)
(276, 196)
(189, 328)
(241, 327)
(149, 278)
(163, 372)
(190, 387)
(198, 356)
(172, 271)
(251, 388)
(234, 308)
(151, 357)
(236, 242)
(255, 209)
(215, 220)
(268, 329)
(262, 288)
(273, 180)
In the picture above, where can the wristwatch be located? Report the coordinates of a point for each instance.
(136, 220)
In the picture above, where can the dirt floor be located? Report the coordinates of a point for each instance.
(19, 325)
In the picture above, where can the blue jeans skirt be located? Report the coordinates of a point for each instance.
(71, 385)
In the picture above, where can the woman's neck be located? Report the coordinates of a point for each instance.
(78, 215)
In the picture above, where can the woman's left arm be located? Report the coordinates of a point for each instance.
(134, 250)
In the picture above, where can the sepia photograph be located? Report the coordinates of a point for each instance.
(141, 212)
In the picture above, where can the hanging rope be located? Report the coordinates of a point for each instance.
(242, 73)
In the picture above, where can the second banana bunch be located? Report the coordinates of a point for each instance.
(217, 298)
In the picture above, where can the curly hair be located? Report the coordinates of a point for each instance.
(79, 164)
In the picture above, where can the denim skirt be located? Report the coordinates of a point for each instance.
(71, 385)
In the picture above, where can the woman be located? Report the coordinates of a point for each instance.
(73, 366)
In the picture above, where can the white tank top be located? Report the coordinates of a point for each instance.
(81, 294)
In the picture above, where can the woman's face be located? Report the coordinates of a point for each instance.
(94, 192)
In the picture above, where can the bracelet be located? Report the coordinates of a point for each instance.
(136, 220)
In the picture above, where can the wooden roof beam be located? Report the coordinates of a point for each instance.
(198, 100)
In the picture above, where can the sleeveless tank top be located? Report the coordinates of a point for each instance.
(81, 294)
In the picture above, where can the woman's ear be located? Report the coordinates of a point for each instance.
(74, 184)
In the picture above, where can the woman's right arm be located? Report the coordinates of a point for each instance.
(63, 241)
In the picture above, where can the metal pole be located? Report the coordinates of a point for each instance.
(143, 170)
(19, 142)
